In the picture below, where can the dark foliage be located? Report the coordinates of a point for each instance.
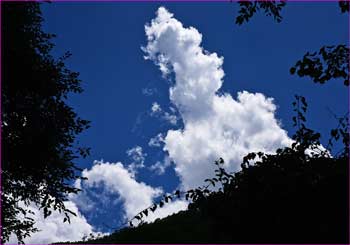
(297, 195)
(344, 6)
(328, 63)
(38, 128)
(249, 8)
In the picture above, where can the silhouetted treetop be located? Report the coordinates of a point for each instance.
(38, 127)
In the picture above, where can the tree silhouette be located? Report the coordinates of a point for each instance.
(38, 128)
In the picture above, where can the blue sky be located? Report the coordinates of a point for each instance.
(105, 40)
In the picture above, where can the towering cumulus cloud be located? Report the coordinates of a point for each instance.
(214, 125)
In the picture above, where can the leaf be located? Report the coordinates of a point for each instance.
(153, 208)
(212, 182)
(177, 193)
(292, 70)
(44, 122)
(303, 101)
(334, 132)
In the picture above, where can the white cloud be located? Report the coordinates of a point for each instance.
(171, 118)
(156, 110)
(160, 167)
(136, 154)
(115, 178)
(149, 91)
(52, 229)
(138, 159)
(156, 141)
(82, 199)
(214, 125)
(135, 196)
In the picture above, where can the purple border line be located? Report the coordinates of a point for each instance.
(179, 1)
(0, 122)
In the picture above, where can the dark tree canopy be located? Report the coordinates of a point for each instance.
(38, 128)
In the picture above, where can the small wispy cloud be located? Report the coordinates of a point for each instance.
(157, 111)
(149, 91)
(160, 167)
(156, 141)
(137, 156)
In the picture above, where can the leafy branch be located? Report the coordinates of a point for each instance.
(328, 63)
(249, 8)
